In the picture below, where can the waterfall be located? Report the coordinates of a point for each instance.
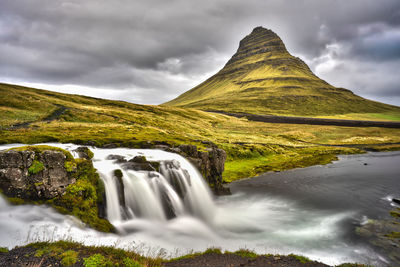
(176, 189)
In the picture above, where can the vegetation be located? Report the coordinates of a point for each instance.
(301, 259)
(82, 199)
(252, 147)
(36, 167)
(70, 253)
(264, 78)
(3, 250)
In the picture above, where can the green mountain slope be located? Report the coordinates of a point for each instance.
(252, 147)
(264, 78)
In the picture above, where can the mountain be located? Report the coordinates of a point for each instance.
(262, 77)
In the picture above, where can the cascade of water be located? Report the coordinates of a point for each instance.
(176, 190)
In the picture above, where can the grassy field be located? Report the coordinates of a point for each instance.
(252, 147)
(264, 78)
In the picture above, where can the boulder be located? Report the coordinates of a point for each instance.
(139, 163)
(34, 176)
(210, 163)
(84, 152)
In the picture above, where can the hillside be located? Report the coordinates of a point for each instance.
(32, 116)
(262, 77)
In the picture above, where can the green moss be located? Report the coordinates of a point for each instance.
(395, 213)
(97, 260)
(90, 153)
(118, 173)
(69, 258)
(41, 148)
(3, 250)
(16, 201)
(245, 253)
(82, 198)
(393, 235)
(36, 167)
(70, 166)
(128, 262)
(91, 255)
(301, 259)
(213, 250)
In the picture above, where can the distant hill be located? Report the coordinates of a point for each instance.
(262, 77)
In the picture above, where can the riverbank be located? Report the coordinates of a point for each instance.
(74, 254)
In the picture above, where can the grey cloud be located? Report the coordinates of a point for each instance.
(158, 49)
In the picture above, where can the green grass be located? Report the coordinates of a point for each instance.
(252, 147)
(71, 253)
(3, 250)
(301, 259)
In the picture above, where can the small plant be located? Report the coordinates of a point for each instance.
(3, 250)
(302, 259)
(128, 262)
(245, 253)
(69, 258)
(36, 167)
(70, 166)
(213, 250)
(96, 260)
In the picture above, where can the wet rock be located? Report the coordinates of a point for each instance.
(84, 152)
(120, 187)
(210, 163)
(31, 175)
(111, 145)
(117, 158)
(139, 159)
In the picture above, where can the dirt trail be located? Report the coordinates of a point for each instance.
(53, 116)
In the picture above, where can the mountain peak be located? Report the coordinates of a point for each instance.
(260, 41)
(262, 77)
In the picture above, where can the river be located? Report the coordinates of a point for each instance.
(312, 211)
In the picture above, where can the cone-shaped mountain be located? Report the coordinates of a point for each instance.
(262, 77)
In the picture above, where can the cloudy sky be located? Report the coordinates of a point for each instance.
(151, 51)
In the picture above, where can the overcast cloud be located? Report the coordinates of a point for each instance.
(151, 51)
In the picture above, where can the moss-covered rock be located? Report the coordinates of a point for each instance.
(50, 175)
(36, 172)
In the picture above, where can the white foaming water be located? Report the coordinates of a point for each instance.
(173, 211)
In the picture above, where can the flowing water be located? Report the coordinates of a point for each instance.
(311, 211)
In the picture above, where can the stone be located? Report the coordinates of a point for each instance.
(84, 152)
(117, 158)
(47, 183)
(210, 163)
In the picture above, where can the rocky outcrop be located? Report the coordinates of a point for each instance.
(84, 152)
(210, 162)
(35, 176)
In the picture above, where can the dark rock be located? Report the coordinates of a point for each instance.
(396, 200)
(138, 166)
(138, 159)
(84, 152)
(120, 187)
(210, 163)
(111, 145)
(117, 158)
(51, 180)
